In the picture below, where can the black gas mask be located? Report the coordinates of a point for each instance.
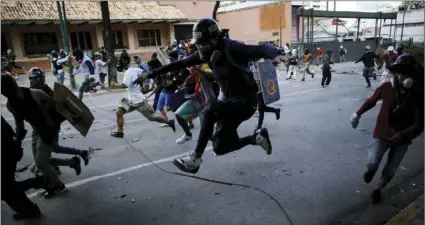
(403, 70)
(37, 82)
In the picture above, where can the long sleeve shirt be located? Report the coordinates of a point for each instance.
(403, 114)
(368, 59)
(230, 66)
(85, 67)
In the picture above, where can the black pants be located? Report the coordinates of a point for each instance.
(261, 109)
(326, 76)
(155, 99)
(367, 72)
(102, 80)
(228, 116)
(12, 192)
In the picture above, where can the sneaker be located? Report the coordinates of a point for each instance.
(312, 76)
(86, 157)
(368, 176)
(117, 134)
(376, 196)
(56, 191)
(77, 165)
(303, 79)
(288, 78)
(33, 214)
(277, 112)
(183, 139)
(368, 86)
(323, 86)
(262, 139)
(172, 124)
(188, 164)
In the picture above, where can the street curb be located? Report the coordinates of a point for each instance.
(408, 214)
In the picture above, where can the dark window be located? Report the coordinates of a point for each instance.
(39, 43)
(118, 39)
(149, 38)
(4, 45)
(81, 40)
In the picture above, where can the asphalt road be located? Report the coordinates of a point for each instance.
(315, 170)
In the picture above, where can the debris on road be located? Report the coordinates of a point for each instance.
(135, 140)
(133, 200)
(119, 178)
(123, 196)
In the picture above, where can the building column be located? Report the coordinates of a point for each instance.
(131, 37)
(99, 36)
(16, 38)
(172, 35)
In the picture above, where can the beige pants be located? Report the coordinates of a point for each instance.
(143, 107)
(42, 153)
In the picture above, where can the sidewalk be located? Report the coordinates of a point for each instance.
(411, 215)
(23, 81)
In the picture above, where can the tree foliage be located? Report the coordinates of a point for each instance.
(414, 4)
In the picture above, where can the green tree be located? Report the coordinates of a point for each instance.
(414, 4)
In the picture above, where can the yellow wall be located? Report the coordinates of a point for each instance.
(129, 31)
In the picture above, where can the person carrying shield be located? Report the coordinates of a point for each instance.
(32, 105)
(228, 60)
(37, 81)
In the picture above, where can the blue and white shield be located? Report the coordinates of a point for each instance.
(268, 81)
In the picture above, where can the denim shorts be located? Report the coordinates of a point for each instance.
(163, 101)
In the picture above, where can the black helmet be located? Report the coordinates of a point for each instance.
(206, 31)
(406, 64)
(36, 72)
(37, 77)
(54, 53)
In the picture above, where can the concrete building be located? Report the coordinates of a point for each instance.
(31, 29)
(257, 22)
(194, 10)
(413, 25)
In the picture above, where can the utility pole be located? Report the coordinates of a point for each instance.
(109, 41)
(64, 31)
(334, 5)
(280, 24)
(402, 23)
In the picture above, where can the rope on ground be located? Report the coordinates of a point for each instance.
(282, 209)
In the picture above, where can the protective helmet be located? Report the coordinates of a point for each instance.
(318, 48)
(54, 53)
(97, 55)
(206, 31)
(390, 49)
(406, 70)
(341, 46)
(367, 47)
(37, 77)
(36, 72)
(294, 51)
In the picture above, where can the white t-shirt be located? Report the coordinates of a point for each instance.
(101, 67)
(134, 93)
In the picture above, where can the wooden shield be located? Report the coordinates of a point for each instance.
(73, 109)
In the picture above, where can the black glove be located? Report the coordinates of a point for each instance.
(143, 77)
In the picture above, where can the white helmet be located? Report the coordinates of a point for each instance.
(294, 51)
(318, 48)
(390, 49)
(341, 46)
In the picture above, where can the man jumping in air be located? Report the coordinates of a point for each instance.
(228, 60)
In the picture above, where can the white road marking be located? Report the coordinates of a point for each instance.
(125, 170)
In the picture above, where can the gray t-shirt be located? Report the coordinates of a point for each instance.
(326, 62)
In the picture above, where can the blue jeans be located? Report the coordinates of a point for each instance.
(60, 76)
(376, 151)
(163, 101)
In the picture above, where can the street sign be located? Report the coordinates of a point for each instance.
(268, 81)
